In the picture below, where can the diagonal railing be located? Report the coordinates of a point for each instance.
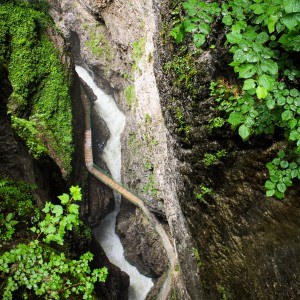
(129, 195)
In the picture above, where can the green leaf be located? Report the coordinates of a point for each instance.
(258, 9)
(270, 185)
(287, 181)
(294, 93)
(234, 37)
(294, 135)
(246, 71)
(64, 198)
(235, 118)
(199, 39)
(284, 164)
(57, 210)
(244, 132)
(281, 154)
(287, 115)
(270, 103)
(270, 193)
(290, 20)
(269, 66)
(271, 23)
(75, 192)
(266, 81)
(204, 28)
(249, 84)
(73, 209)
(261, 92)
(291, 6)
(262, 37)
(239, 56)
(227, 20)
(281, 187)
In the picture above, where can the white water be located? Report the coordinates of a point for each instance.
(105, 233)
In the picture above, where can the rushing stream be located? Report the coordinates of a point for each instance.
(105, 233)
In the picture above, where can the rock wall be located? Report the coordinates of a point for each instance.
(246, 246)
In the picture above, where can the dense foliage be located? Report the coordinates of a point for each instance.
(264, 38)
(35, 266)
(40, 102)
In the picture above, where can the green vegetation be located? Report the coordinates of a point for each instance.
(184, 127)
(39, 104)
(197, 256)
(35, 266)
(200, 193)
(149, 187)
(210, 159)
(263, 36)
(138, 49)
(130, 95)
(99, 45)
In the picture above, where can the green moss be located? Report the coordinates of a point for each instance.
(39, 81)
(130, 95)
(99, 45)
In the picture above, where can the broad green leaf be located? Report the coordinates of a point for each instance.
(287, 181)
(261, 92)
(279, 194)
(191, 27)
(262, 37)
(290, 20)
(249, 84)
(270, 185)
(291, 6)
(286, 115)
(199, 39)
(270, 103)
(269, 66)
(239, 56)
(270, 193)
(57, 210)
(266, 81)
(271, 23)
(294, 135)
(281, 187)
(235, 118)
(227, 20)
(204, 28)
(284, 164)
(246, 71)
(294, 93)
(244, 132)
(258, 9)
(64, 198)
(281, 154)
(234, 37)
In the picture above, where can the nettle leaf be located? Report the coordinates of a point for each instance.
(266, 81)
(244, 132)
(239, 56)
(249, 84)
(246, 71)
(235, 118)
(261, 92)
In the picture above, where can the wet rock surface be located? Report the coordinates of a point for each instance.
(246, 246)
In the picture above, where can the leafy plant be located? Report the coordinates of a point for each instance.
(201, 191)
(38, 268)
(210, 159)
(263, 36)
(130, 95)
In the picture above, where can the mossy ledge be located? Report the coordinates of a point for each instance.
(40, 100)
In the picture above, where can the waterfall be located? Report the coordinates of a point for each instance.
(108, 110)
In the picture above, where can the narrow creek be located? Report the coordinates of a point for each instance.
(108, 110)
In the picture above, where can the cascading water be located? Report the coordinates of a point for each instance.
(105, 233)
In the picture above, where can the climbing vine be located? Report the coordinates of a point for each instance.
(264, 39)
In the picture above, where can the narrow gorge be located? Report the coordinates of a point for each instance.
(181, 147)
